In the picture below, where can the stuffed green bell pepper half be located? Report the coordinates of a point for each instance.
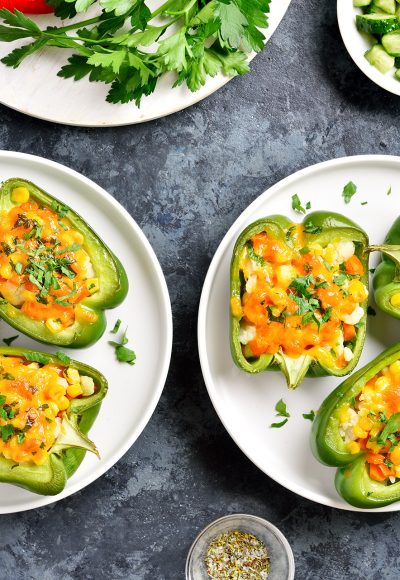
(386, 281)
(298, 296)
(357, 429)
(47, 406)
(56, 275)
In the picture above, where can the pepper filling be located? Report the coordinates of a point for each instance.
(371, 423)
(44, 269)
(33, 399)
(300, 299)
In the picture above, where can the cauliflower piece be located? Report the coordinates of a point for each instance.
(247, 333)
(348, 354)
(354, 317)
(345, 250)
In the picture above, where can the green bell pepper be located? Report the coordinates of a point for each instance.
(319, 227)
(386, 281)
(113, 282)
(70, 447)
(352, 480)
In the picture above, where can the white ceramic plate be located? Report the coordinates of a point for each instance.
(134, 391)
(46, 96)
(245, 403)
(357, 44)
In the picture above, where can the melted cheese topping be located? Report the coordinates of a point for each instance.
(300, 300)
(32, 402)
(362, 424)
(44, 269)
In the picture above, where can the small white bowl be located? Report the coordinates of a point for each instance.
(357, 44)
(280, 552)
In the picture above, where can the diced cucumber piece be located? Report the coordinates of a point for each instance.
(379, 58)
(377, 23)
(372, 9)
(388, 6)
(397, 74)
(361, 3)
(391, 43)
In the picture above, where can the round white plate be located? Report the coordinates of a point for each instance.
(133, 391)
(357, 45)
(245, 403)
(46, 96)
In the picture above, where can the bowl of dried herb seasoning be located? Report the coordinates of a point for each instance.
(240, 546)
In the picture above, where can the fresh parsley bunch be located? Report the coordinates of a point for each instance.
(129, 47)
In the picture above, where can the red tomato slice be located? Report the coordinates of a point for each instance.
(27, 6)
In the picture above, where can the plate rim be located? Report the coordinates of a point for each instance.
(384, 81)
(42, 501)
(194, 97)
(204, 299)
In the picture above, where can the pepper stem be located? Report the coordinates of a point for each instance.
(294, 369)
(392, 251)
(70, 436)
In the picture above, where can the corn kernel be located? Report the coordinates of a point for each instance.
(78, 237)
(63, 403)
(382, 383)
(395, 368)
(28, 296)
(83, 314)
(93, 285)
(395, 455)
(343, 414)
(374, 446)
(20, 195)
(236, 307)
(87, 385)
(397, 470)
(395, 300)
(72, 376)
(357, 290)
(6, 271)
(358, 432)
(366, 423)
(353, 447)
(74, 390)
(54, 325)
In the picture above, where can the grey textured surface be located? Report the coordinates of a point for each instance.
(185, 179)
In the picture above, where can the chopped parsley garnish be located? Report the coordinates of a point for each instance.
(116, 326)
(61, 210)
(20, 437)
(36, 357)
(289, 232)
(364, 203)
(348, 191)
(304, 250)
(281, 411)
(71, 248)
(7, 431)
(310, 416)
(278, 425)
(296, 204)
(311, 228)
(253, 256)
(389, 191)
(10, 340)
(64, 358)
(123, 353)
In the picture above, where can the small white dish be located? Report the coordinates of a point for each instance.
(280, 552)
(357, 44)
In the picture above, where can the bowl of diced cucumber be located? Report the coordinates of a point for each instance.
(371, 33)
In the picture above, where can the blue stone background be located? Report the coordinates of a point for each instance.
(185, 179)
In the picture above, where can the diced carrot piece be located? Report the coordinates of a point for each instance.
(349, 331)
(375, 458)
(376, 473)
(354, 266)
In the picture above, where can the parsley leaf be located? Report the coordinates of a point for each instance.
(278, 425)
(116, 326)
(348, 191)
(36, 357)
(63, 357)
(296, 204)
(281, 409)
(10, 340)
(123, 353)
(310, 416)
(311, 228)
